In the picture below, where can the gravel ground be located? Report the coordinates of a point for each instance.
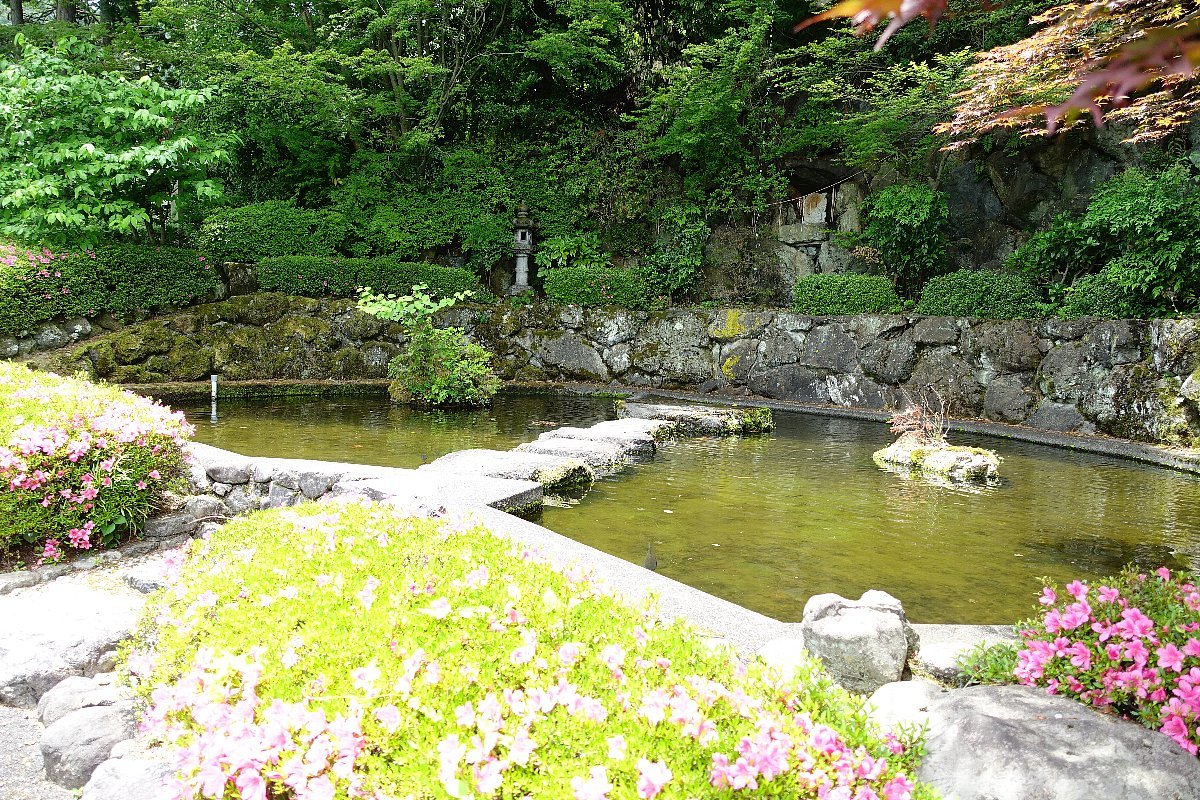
(21, 776)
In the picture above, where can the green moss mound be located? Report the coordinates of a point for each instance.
(347, 648)
(833, 295)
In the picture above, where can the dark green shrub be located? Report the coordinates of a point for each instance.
(598, 286)
(980, 293)
(274, 228)
(1101, 296)
(327, 276)
(441, 367)
(1139, 231)
(37, 287)
(906, 229)
(830, 295)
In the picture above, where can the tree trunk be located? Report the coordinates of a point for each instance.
(64, 10)
(16, 12)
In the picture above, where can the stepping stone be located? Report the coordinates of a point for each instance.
(552, 472)
(632, 441)
(75, 745)
(701, 420)
(412, 488)
(601, 456)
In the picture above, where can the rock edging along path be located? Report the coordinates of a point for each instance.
(1133, 379)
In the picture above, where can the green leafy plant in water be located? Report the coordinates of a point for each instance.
(439, 366)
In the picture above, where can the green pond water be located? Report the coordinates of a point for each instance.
(768, 521)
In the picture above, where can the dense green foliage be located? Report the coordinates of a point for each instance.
(256, 231)
(1133, 252)
(88, 154)
(80, 464)
(333, 276)
(591, 286)
(905, 234)
(831, 295)
(475, 668)
(439, 366)
(982, 293)
(40, 286)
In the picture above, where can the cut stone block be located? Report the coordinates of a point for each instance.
(433, 488)
(600, 456)
(552, 472)
(635, 443)
(702, 420)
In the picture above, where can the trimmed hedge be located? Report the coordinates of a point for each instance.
(598, 286)
(1099, 296)
(37, 287)
(341, 277)
(984, 294)
(475, 669)
(831, 295)
(81, 464)
(273, 228)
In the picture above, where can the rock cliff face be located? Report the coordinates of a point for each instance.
(1129, 378)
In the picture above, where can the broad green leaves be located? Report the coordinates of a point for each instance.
(89, 155)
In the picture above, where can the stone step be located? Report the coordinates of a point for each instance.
(701, 420)
(552, 472)
(416, 489)
(634, 442)
(605, 457)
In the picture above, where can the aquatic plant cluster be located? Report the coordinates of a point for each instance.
(1130, 644)
(80, 463)
(475, 668)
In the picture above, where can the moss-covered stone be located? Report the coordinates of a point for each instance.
(294, 327)
(939, 459)
(189, 363)
(260, 308)
(345, 363)
(360, 327)
(134, 344)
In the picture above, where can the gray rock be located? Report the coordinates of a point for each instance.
(1065, 329)
(1053, 416)
(936, 330)
(146, 579)
(942, 370)
(858, 391)
(315, 484)
(169, 525)
(571, 356)
(1018, 743)
(73, 693)
(943, 645)
(890, 360)
(1009, 398)
(1063, 375)
(17, 580)
(829, 347)
(553, 472)
(617, 358)
(738, 359)
(778, 347)
(674, 347)
(602, 456)
(58, 629)
(129, 779)
(612, 327)
(1115, 341)
(863, 643)
(697, 420)
(8, 347)
(791, 382)
(222, 489)
(77, 328)
(632, 441)
(50, 337)
(204, 509)
(221, 465)
(903, 703)
(280, 496)
(242, 500)
(75, 745)
(1005, 346)
(1175, 345)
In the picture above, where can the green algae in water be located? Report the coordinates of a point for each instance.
(769, 520)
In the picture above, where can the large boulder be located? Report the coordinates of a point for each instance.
(74, 693)
(863, 643)
(65, 627)
(129, 779)
(939, 459)
(75, 745)
(1018, 743)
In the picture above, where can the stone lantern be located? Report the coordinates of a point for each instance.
(522, 249)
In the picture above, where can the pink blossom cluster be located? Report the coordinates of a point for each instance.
(1131, 644)
(75, 459)
(226, 736)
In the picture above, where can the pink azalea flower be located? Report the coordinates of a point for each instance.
(389, 717)
(616, 747)
(652, 776)
(438, 609)
(595, 787)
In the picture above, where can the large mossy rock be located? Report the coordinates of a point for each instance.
(938, 459)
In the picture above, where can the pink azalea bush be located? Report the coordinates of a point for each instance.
(80, 463)
(1130, 644)
(346, 651)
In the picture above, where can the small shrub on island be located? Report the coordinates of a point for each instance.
(1129, 643)
(80, 464)
(439, 366)
(922, 448)
(475, 669)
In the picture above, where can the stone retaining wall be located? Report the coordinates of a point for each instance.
(1133, 379)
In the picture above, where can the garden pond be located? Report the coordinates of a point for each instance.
(767, 521)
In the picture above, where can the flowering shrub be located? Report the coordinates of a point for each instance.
(1129, 644)
(80, 463)
(38, 286)
(346, 651)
